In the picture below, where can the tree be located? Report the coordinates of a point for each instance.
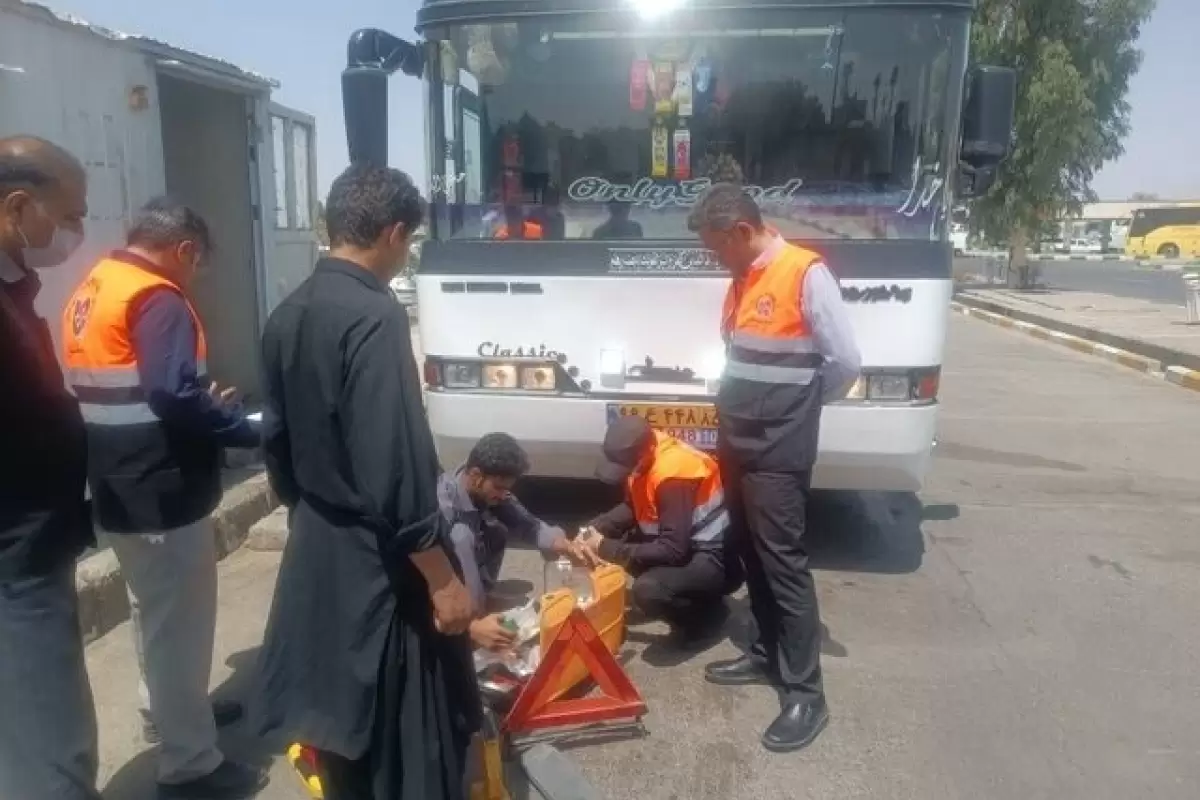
(1143, 197)
(1074, 60)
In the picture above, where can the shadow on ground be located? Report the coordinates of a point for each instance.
(847, 531)
(136, 779)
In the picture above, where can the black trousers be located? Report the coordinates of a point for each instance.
(683, 596)
(768, 514)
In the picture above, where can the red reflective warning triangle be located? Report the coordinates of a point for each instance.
(621, 699)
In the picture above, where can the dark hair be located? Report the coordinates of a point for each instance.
(164, 222)
(723, 206)
(365, 199)
(498, 455)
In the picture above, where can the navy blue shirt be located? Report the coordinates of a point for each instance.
(164, 336)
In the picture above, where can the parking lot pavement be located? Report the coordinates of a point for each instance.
(1025, 629)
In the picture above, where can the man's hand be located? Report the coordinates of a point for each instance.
(489, 633)
(588, 554)
(223, 397)
(589, 551)
(451, 607)
(587, 546)
(575, 552)
(450, 598)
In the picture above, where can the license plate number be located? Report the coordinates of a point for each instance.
(693, 424)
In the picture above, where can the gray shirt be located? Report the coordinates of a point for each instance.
(480, 536)
(832, 332)
(830, 324)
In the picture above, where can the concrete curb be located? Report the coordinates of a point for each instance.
(1181, 376)
(270, 533)
(103, 602)
(1045, 329)
(1158, 262)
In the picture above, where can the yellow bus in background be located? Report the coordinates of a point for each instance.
(1165, 232)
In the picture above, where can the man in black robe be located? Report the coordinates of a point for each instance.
(365, 656)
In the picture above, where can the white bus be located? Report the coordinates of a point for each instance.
(560, 287)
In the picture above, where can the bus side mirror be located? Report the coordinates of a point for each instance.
(365, 106)
(371, 56)
(987, 126)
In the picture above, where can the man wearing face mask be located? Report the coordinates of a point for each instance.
(47, 720)
(135, 353)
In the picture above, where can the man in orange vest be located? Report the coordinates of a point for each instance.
(517, 227)
(135, 355)
(789, 350)
(670, 531)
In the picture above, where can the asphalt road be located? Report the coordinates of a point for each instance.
(1121, 279)
(1117, 278)
(1027, 628)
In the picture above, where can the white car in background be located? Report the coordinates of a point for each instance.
(958, 237)
(405, 290)
(1086, 247)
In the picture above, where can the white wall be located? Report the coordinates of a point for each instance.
(70, 86)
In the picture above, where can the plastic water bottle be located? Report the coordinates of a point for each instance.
(578, 581)
(567, 577)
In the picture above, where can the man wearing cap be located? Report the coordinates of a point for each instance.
(789, 350)
(670, 531)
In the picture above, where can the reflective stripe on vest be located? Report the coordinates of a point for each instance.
(675, 460)
(98, 350)
(764, 325)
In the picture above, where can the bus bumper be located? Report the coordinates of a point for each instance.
(862, 447)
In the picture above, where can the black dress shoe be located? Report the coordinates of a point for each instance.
(741, 671)
(230, 781)
(796, 727)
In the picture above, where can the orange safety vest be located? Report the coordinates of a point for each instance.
(529, 230)
(769, 399)
(675, 460)
(145, 475)
(98, 344)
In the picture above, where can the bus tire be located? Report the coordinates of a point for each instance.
(1169, 250)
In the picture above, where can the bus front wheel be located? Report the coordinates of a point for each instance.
(1169, 251)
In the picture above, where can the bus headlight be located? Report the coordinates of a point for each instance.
(894, 388)
(538, 379)
(460, 375)
(525, 375)
(918, 386)
(499, 376)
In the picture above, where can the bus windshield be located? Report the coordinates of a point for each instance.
(841, 124)
(1148, 220)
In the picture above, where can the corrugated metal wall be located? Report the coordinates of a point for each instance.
(68, 85)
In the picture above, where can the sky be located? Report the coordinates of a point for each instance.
(305, 50)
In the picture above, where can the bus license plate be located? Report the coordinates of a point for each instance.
(694, 424)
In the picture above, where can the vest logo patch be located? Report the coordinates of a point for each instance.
(764, 307)
(81, 309)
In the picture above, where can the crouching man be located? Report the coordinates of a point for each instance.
(477, 501)
(670, 531)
